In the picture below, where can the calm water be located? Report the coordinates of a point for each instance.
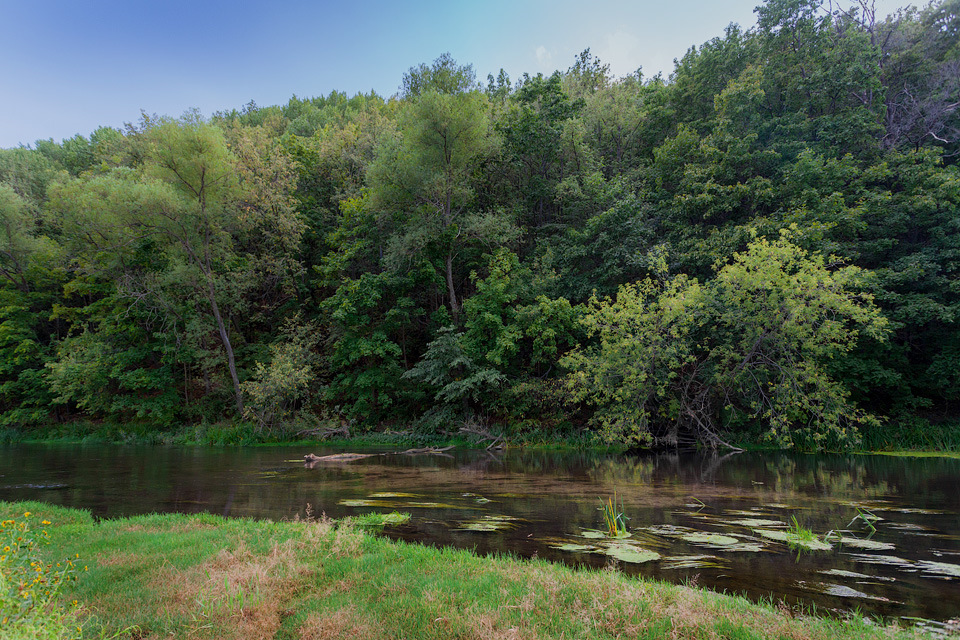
(546, 504)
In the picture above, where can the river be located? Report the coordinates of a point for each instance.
(876, 534)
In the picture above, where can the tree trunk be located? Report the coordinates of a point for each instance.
(454, 306)
(225, 338)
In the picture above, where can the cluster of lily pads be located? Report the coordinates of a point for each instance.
(751, 531)
(403, 500)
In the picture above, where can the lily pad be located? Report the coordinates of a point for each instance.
(840, 573)
(692, 562)
(868, 545)
(745, 547)
(488, 523)
(794, 540)
(755, 522)
(630, 553)
(591, 534)
(361, 502)
(889, 561)
(569, 546)
(668, 530)
(430, 505)
(477, 498)
(940, 568)
(843, 591)
(717, 539)
(391, 494)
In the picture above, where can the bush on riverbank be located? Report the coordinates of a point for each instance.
(203, 576)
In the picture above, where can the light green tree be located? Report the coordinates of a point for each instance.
(678, 361)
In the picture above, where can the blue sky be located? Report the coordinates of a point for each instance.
(71, 66)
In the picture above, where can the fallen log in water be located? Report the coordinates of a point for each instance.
(337, 457)
(426, 450)
(312, 459)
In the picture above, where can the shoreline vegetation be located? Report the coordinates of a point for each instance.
(906, 439)
(204, 576)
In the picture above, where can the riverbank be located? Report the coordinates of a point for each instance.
(229, 433)
(204, 576)
(917, 438)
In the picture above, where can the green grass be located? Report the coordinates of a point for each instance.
(915, 434)
(238, 433)
(917, 437)
(203, 576)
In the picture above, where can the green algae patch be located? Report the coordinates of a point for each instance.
(380, 520)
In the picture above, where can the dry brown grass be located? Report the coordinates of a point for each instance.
(343, 623)
(235, 594)
(346, 543)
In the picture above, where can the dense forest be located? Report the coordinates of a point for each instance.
(762, 246)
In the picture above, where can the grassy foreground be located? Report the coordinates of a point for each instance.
(208, 577)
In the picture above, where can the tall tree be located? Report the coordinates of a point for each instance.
(427, 177)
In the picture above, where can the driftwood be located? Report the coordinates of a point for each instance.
(337, 457)
(426, 450)
(311, 460)
(496, 442)
(324, 433)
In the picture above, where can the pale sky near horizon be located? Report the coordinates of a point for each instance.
(70, 67)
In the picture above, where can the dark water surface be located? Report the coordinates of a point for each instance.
(712, 519)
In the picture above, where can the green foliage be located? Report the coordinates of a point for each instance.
(451, 373)
(682, 360)
(278, 389)
(438, 244)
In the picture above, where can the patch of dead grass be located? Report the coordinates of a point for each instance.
(343, 623)
(346, 542)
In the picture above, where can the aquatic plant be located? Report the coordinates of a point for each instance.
(613, 517)
(799, 535)
(866, 517)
